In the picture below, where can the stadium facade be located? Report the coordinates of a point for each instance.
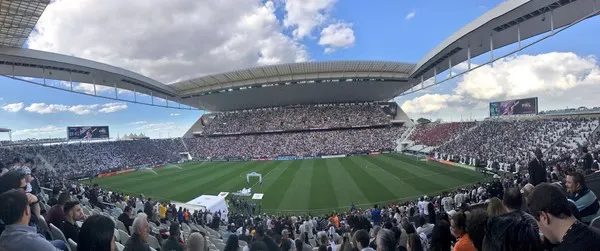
(296, 83)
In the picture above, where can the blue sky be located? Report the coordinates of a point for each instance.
(258, 32)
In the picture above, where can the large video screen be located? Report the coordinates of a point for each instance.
(514, 107)
(87, 132)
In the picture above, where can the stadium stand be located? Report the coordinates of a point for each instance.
(435, 134)
(297, 118)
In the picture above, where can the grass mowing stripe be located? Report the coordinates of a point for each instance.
(346, 191)
(460, 174)
(400, 170)
(209, 186)
(321, 191)
(174, 173)
(182, 180)
(274, 196)
(373, 190)
(298, 193)
(398, 186)
(240, 178)
(241, 183)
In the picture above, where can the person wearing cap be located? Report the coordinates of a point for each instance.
(537, 169)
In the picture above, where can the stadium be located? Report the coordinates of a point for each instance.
(319, 150)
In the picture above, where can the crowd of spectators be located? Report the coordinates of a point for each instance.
(91, 158)
(310, 143)
(297, 118)
(435, 134)
(504, 213)
(513, 141)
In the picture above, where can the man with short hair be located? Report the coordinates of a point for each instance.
(537, 169)
(361, 238)
(585, 200)
(18, 235)
(588, 160)
(126, 218)
(513, 202)
(56, 214)
(139, 237)
(174, 240)
(73, 213)
(549, 206)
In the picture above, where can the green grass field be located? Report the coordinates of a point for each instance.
(317, 185)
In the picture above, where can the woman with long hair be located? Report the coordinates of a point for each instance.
(495, 207)
(441, 237)
(414, 243)
(97, 234)
(346, 245)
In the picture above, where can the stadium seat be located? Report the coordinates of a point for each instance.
(130, 229)
(596, 222)
(220, 246)
(44, 226)
(153, 242)
(73, 245)
(121, 226)
(152, 249)
(124, 236)
(119, 246)
(58, 235)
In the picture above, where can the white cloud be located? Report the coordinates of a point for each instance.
(559, 79)
(174, 114)
(42, 131)
(167, 126)
(338, 35)
(112, 107)
(305, 15)
(193, 38)
(14, 107)
(138, 123)
(410, 15)
(83, 109)
(43, 108)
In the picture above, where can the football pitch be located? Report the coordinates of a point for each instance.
(316, 185)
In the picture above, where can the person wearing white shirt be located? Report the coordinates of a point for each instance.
(447, 203)
(425, 228)
(421, 205)
(458, 199)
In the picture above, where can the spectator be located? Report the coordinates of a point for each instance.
(73, 213)
(376, 215)
(232, 243)
(361, 238)
(476, 227)
(414, 243)
(346, 243)
(585, 200)
(510, 232)
(514, 203)
(173, 243)
(139, 238)
(458, 225)
(18, 235)
(588, 160)
(441, 238)
(549, 206)
(97, 234)
(127, 218)
(56, 215)
(424, 227)
(495, 207)
(196, 242)
(537, 169)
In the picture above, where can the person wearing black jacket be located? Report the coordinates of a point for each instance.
(173, 243)
(125, 217)
(588, 160)
(537, 169)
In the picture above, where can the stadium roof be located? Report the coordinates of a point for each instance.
(4, 130)
(17, 20)
(296, 83)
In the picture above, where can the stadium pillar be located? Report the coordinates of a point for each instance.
(450, 66)
(70, 81)
(491, 49)
(116, 92)
(435, 74)
(152, 97)
(134, 95)
(519, 34)
(552, 21)
(469, 57)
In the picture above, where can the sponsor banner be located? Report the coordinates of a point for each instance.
(87, 132)
(236, 160)
(115, 173)
(375, 153)
(287, 158)
(386, 152)
(333, 156)
(526, 106)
